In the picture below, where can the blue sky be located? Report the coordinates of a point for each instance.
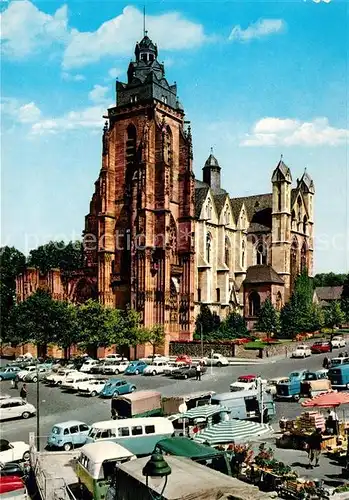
(257, 79)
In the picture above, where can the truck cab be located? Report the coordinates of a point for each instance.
(292, 388)
(339, 376)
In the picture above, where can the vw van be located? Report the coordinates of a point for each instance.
(245, 405)
(96, 464)
(339, 376)
(292, 388)
(68, 435)
(139, 435)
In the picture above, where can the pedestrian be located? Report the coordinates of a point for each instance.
(326, 363)
(24, 393)
(198, 372)
(314, 448)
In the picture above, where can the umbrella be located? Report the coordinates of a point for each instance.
(205, 411)
(327, 400)
(232, 430)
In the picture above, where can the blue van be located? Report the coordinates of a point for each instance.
(292, 388)
(339, 376)
(68, 435)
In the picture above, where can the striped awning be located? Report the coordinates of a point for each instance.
(232, 430)
(205, 411)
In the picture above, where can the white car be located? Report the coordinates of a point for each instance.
(72, 382)
(59, 377)
(15, 408)
(86, 367)
(115, 367)
(113, 357)
(246, 386)
(172, 366)
(270, 388)
(157, 357)
(217, 360)
(91, 387)
(22, 373)
(17, 451)
(338, 342)
(301, 351)
(155, 368)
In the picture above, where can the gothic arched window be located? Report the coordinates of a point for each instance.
(278, 301)
(227, 252)
(305, 224)
(209, 210)
(254, 303)
(208, 247)
(243, 254)
(261, 253)
(294, 262)
(279, 197)
(131, 145)
(304, 257)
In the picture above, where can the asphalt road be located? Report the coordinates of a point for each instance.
(57, 406)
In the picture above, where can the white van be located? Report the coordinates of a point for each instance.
(96, 465)
(139, 435)
(72, 382)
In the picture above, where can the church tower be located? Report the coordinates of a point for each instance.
(212, 173)
(143, 209)
(281, 221)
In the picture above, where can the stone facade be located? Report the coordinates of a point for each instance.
(162, 242)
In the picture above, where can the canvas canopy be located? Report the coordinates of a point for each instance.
(232, 431)
(327, 400)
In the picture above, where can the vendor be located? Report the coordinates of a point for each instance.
(332, 425)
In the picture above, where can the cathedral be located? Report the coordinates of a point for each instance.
(163, 242)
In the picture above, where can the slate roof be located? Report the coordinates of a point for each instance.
(308, 182)
(258, 228)
(328, 292)
(262, 274)
(212, 162)
(219, 200)
(200, 196)
(294, 193)
(253, 204)
(281, 172)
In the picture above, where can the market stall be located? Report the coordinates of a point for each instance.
(233, 431)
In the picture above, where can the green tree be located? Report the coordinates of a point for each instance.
(96, 325)
(57, 254)
(329, 279)
(12, 263)
(268, 320)
(316, 318)
(206, 322)
(234, 326)
(289, 325)
(69, 333)
(41, 320)
(345, 298)
(132, 333)
(155, 335)
(333, 316)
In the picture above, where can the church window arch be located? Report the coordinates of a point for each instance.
(209, 209)
(227, 252)
(305, 224)
(208, 247)
(278, 301)
(261, 252)
(294, 262)
(243, 249)
(254, 303)
(304, 252)
(279, 197)
(243, 219)
(131, 144)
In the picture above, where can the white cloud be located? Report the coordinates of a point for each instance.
(18, 112)
(98, 93)
(29, 113)
(114, 72)
(25, 29)
(116, 36)
(290, 132)
(259, 29)
(87, 118)
(68, 77)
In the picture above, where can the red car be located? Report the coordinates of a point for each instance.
(184, 358)
(246, 378)
(320, 347)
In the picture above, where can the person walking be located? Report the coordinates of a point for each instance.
(16, 382)
(326, 363)
(314, 448)
(198, 372)
(24, 392)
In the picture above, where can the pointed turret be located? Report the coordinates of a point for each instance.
(306, 183)
(212, 172)
(281, 172)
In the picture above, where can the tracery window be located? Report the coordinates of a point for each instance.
(208, 247)
(261, 253)
(254, 303)
(243, 254)
(227, 252)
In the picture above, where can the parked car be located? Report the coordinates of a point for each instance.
(217, 360)
(338, 361)
(115, 367)
(33, 375)
(98, 367)
(246, 383)
(113, 357)
(188, 371)
(337, 342)
(15, 451)
(151, 358)
(301, 351)
(116, 387)
(320, 347)
(155, 368)
(135, 367)
(22, 373)
(172, 366)
(271, 384)
(68, 435)
(72, 382)
(9, 372)
(186, 359)
(59, 377)
(15, 408)
(88, 365)
(292, 388)
(91, 387)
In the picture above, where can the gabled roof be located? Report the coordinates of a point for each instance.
(329, 292)
(212, 162)
(255, 227)
(253, 204)
(262, 274)
(281, 172)
(219, 200)
(307, 182)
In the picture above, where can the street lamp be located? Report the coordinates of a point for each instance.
(37, 407)
(156, 469)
